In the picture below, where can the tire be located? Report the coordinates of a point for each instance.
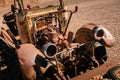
(114, 73)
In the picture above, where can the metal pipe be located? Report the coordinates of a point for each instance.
(71, 12)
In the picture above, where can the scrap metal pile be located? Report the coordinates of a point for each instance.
(37, 45)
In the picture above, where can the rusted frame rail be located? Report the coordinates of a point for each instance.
(99, 70)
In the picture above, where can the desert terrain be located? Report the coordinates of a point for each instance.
(104, 12)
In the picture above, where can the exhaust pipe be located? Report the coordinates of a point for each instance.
(49, 50)
(102, 33)
(98, 33)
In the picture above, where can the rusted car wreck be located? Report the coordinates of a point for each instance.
(37, 46)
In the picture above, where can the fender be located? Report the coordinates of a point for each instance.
(28, 57)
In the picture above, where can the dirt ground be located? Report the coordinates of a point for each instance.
(104, 12)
